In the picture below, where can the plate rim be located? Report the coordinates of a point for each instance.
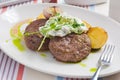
(58, 74)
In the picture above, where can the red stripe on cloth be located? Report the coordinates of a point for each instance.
(3, 10)
(35, 1)
(20, 72)
(53, 1)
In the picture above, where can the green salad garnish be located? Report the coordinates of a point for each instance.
(61, 25)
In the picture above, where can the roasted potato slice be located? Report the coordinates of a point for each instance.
(41, 16)
(86, 24)
(98, 37)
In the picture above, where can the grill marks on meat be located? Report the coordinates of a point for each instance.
(71, 48)
(34, 38)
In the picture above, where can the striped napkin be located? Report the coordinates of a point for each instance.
(12, 70)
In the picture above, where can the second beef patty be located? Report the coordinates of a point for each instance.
(71, 48)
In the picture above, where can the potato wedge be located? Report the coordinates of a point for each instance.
(41, 16)
(98, 37)
(86, 24)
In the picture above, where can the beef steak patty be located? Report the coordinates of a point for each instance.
(71, 48)
(33, 37)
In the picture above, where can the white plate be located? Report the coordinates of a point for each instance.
(84, 2)
(49, 64)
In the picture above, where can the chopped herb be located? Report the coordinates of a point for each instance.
(52, 26)
(57, 28)
(75, 25)
(82, 24)
(57, 14)
(59, 19)
(41, 43)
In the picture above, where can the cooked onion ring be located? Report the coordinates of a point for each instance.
(51, 11)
